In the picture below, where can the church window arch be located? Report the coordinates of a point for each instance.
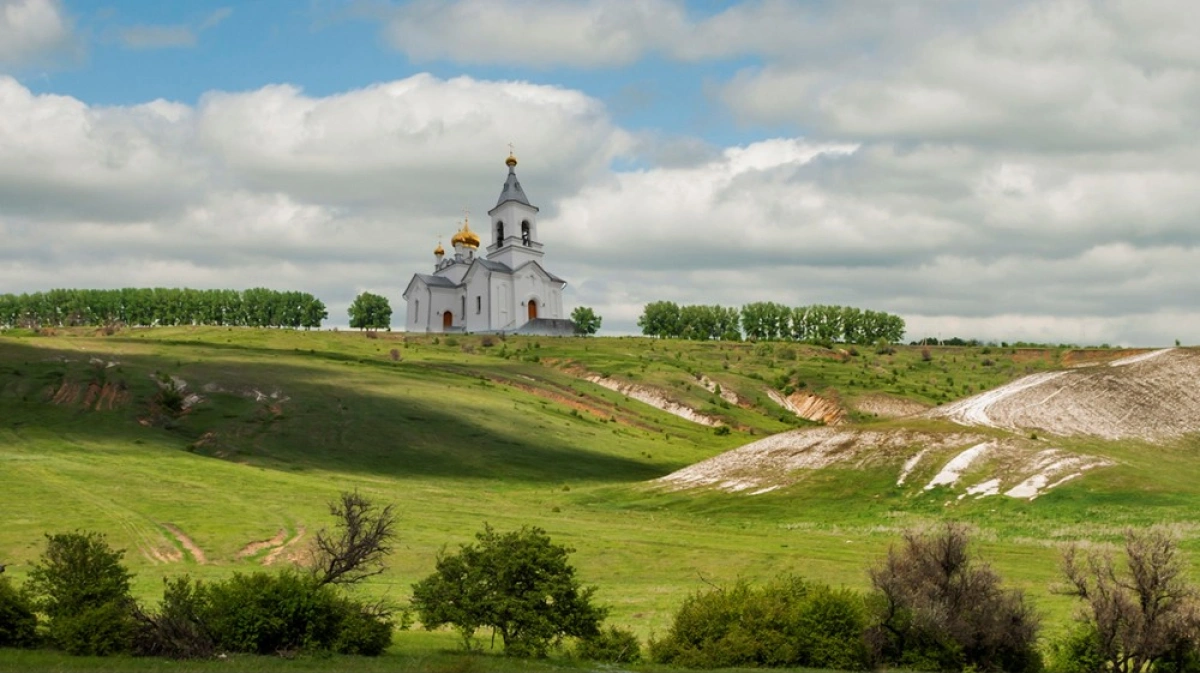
(499, 231)
(525, 238)
(478, 304)
(464, 306)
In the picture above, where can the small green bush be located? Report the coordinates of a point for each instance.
(82, 588)
(97, 630)
(362, 630)
(788, 622)
(18, 623)
(177, 630)
(612, 645)
(1077, 651)
(265, 613)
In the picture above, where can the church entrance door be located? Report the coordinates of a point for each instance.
(532, 309)
(447, 320)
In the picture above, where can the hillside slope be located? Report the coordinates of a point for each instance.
(1152, 396)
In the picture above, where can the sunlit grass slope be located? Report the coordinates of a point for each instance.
(461, 431)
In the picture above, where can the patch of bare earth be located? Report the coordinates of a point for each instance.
(810, 407)
(965, 463)
(886, 406)
(288, 550)
(259, 545)
(1150, 395)
(655, 398)
(785, 458)
(187, 543)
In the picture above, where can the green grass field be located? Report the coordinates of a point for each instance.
(457, 432)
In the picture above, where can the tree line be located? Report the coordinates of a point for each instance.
(769, 321)
(145, 307)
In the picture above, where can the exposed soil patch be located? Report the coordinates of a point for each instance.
(187, 543)
(288, 550)
(259, 545)
(886, 406)
(970, 464)
(725, 394)
(93, 396)
(1150, 395)
(810, 407)
(655, 398)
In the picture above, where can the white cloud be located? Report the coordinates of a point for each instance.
(591, 33)
(32, 30)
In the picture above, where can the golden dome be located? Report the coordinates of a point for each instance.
(465, 236)
(438, 250)
(511, 160)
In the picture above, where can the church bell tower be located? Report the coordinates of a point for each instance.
(514, 237)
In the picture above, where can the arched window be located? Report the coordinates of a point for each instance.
(478, 304)
(416, 310)
(499, 232)
(525, 233)
(464, 306)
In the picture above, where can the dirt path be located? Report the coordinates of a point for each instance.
(188, 544)
(259, 545)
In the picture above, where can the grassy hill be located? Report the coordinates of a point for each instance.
(462, 430)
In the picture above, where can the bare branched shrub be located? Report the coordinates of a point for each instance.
(934, 608)
(355, 550)
(1141, 616)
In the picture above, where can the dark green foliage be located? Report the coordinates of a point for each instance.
(370, 311)
(265, 613)
(260, 613)
(177, 630)
(586, 321)
(768, 321)
(517, 583)
(81, 586)
(611, 645)
(788, 622)
(1078, 651)
(18, 622)
(256, 307)
(934, 608)
(362, 630)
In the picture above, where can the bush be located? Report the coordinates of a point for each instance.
(18, 623)
(107, 628)
(518, 583)
(362, 630)
(265, 613)
(82, 588)
(177, 630)
(935, 609)
(788, 622)
(612, 645)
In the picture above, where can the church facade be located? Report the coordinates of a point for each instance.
(507, 291)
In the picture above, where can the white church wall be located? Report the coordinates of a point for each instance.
(479, 302)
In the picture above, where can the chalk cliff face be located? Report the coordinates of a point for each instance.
(654, 398)
(811, 407)
(1150, 396)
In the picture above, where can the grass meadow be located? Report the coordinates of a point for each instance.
(464, 430)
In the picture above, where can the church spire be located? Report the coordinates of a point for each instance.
(512, 186)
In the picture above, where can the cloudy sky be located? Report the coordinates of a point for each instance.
(1002, 170)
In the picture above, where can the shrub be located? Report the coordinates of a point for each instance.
(788, 622)
(1144, 617)
(722, 430)
(518, 583)
(82, 588)
(362, 630)
(935, 609)
(265, 613)
(18, 623)
(177, 630)
(612, 645)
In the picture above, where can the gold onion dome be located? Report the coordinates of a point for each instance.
(465, 236)
(439, 251)
(511, 160)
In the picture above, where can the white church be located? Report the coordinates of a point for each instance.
(509, 291)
